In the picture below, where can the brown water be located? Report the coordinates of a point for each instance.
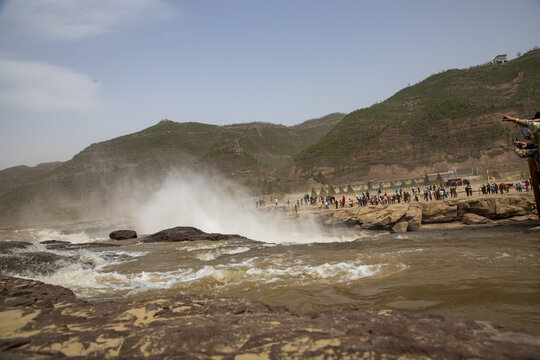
(488, 274)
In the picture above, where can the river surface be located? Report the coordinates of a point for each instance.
(488, 274)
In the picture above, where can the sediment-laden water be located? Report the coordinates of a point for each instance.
(488, 274)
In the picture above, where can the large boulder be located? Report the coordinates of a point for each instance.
(381, 217)
(123, 234)
(439, 212)
(49, 322)
(400, 227)
(185, 233)
(473, 219)
(476, 206)
(496, 206)
(345, 216)
(414, 217)
(509, 207)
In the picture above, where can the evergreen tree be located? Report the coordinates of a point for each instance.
(350, 190)
(323, 192)
(331, 190)
(320, 178)
(426, 180)
(313, 193)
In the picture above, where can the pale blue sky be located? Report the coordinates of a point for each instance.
(75, 72)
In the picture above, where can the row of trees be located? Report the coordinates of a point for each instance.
(331, 190)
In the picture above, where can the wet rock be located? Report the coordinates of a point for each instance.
(123, 234)
(31, 263)
(49, 242)
(45, 320)
(7, 247)
(66, 245)
(185, 233)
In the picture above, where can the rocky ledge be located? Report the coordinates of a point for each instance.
(186, 233)
(412, 216)
(42, 321)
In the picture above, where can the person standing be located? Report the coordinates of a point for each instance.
(534, 163)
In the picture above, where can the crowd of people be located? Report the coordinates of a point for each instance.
(381, 197)
(525, 149)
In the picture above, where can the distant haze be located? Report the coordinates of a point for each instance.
(74, 73)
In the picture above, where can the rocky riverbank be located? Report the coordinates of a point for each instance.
(414, 216)
(46, 321)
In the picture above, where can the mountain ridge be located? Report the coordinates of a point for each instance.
(453, 117)
(449, 120)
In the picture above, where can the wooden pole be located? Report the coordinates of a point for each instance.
(533, 169)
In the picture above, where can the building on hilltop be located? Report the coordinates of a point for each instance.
(499, 59)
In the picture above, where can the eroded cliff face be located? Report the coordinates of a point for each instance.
(45, 321)
(479, 143)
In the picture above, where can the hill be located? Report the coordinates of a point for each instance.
(93, 180)
(11, 178)
(449, 120)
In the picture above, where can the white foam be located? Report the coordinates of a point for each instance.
(48, 234)
(213, 254)
(336, 272)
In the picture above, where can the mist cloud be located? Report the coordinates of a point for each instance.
(210, 202)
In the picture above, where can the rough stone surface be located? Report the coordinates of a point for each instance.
(477, 206)
(54, 242)
(66, 245)
(400, 227)
(439, 211)
(185, 233)
(123, 234)
(10, 246)
(386, 217)
(49, 322)
(33, 262)
(414, 217)
(380, 217)
(472, 219)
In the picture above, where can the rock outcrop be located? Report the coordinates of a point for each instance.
(185, 233)
(471, 219)
(123, 234)
(7, 247)
(49, 322)
(410, 216)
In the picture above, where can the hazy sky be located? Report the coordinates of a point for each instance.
(75, 72)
